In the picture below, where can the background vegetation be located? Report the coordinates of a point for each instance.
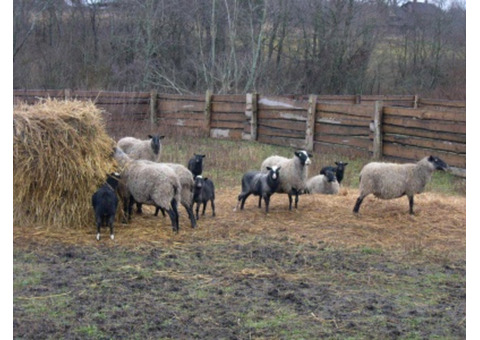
(234, 46)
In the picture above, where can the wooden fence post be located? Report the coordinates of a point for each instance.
(415, 101)
(208, 112)
(311, 115)
(252, 114)
(67, 93)
(377, 130)
(153, 107)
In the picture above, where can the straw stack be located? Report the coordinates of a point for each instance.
(61, 155)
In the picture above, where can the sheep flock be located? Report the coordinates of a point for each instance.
(144, 179)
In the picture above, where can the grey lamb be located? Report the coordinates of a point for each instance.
(390, 180)
(294, 173)
(204, 191)
(259, 184)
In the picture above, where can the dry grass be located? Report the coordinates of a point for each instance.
(438, 225)
(61, 154)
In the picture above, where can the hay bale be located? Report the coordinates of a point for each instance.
(61, 155)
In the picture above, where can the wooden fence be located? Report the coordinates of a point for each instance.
(402, 128)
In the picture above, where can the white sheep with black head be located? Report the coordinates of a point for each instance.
(391, 180)
(325, 183)
(150, 183)
(150, 149)
(294, 173)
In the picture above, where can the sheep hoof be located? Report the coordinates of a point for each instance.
(98, 237)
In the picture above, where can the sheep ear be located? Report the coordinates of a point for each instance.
(161, 137)
(278, 168)
(269, 168)
(310, 155)
(150, 136)
(205, 178)
(345, 164)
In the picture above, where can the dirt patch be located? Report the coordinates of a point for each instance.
(317, 272)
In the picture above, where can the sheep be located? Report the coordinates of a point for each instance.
(389, 180)
(204, 191)
(326, 183)
(150, 183)
(105, 202)
(195, 164)
(293, 175)
(149, 149)
(186, 195)
(339, 170)
(259, 184)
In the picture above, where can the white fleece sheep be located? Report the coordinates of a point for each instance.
(150, 149)
(186, 195)
(390, 180)
(294, 173)
(151, 183)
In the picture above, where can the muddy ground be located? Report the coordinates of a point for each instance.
(317, 272)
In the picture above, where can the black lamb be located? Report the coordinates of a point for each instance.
(195, 165)
(105, 202)
(339, 170)
(203, 192)
(258, 183)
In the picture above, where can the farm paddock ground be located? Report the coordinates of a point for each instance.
(315, 272)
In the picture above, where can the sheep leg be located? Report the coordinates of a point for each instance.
(139, 208)
(357, 204)
(244, 198)
(110, 224)
(99, 223)
(410, 202)
(130, 207)
(159, 209)
(259, 201)
(267, 202)
(213, 207)
(289, 202)
(204, 207)
(191, 216)
(126, 217)
(197, 208)
(173, 214)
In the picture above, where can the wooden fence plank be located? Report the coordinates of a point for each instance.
(426, 143)
(228, 107)
(434, 125)
(269, 131)
(426, 114)
(415, 154)
(444, 136)
(345, 109)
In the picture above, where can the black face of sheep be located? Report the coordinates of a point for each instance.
(304, 157)
(438, 163)
(330, 174)
(156, 142)
(105, 203)
(195, 164)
